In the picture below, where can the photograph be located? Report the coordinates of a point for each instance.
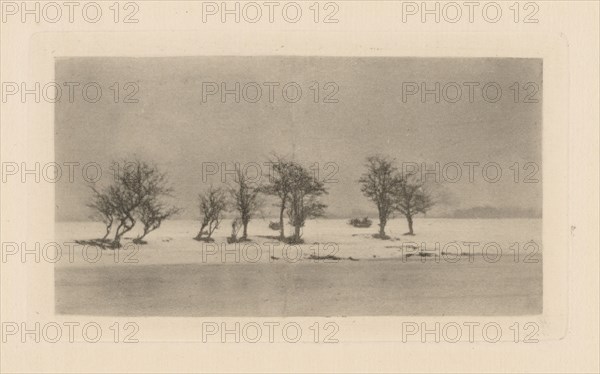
(301, 186)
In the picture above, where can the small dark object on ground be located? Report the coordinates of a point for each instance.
(454, 254)
(352, 259)
(328, 257)
(403, 246)
(358, 222)
(274, 258)
(274, 226)
(139, 241)
(420, 254)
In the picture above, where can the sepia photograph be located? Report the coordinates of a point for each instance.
(301, 186)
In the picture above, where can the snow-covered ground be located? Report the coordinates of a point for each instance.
(174, 275)
(445, 238)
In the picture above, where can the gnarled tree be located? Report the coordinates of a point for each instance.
(412, 198)
(304, 198)
(152, 213)
(135, 185)
(213, 204)
(381, 183)
(103, 209)
(138, 184)
(246, 200)
(280, 185)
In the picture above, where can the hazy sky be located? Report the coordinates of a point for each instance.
(172, 126)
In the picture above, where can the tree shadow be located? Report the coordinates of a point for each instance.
(382, 237)
(286, 240)
(102, 243)
(204, 239)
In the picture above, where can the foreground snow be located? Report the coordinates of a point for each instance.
(327, 240)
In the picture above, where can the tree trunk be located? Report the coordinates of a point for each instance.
(245, 234)
(296, 233)
(200, 232)
(210, 230)
(117, 239)
(107, 232)
(410, 225)
(146, 231)
(281, 229)
(382, 223)
(116, 242)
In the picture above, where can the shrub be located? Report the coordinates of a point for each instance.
(358, 222)
(275, 226)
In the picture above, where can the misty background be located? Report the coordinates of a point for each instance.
(173, 127)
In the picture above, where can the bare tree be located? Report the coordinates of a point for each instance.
(380, 183)
(151, 214)
(136, 184)
(124, 203)
(280, 185)
(213, 204)
(246, 200)
(304, 202)
(412, 198)
(104, 210)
